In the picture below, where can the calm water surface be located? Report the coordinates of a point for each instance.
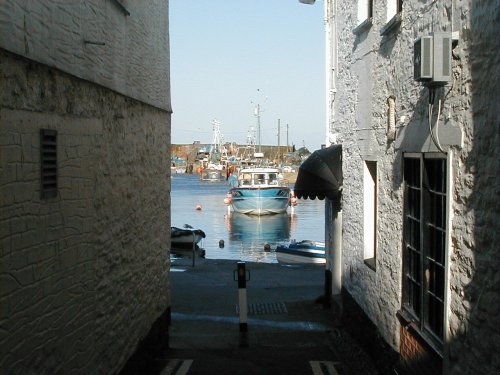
(244, 236)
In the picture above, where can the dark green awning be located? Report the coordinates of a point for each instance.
(320, 175)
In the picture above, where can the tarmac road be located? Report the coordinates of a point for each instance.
(288, 331)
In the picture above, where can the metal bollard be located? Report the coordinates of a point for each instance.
(242, 295)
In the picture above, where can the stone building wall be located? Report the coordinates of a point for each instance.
(371, 68)
(83, 275)
(119, 44)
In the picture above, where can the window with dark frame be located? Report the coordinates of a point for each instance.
(48, 163)
(425, 243)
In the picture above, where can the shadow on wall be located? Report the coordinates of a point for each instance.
(475, 259)
(411, 138)
(477, 331)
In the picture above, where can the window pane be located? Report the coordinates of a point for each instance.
(436, 174)
(412, 224)
(415, 234)
(413, 301)
(414, 202)
(412, 172)
(435, 239)
(435, 321)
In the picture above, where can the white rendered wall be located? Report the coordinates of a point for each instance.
(95, 40)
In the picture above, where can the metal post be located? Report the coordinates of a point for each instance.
(242, 297)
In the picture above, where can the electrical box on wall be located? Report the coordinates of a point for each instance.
(422, 59)
(432, 58)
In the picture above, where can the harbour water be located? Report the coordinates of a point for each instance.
(244, 236)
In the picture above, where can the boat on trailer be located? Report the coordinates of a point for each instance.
(305, 251)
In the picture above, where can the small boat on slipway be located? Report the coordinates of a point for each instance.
(305, 251)
(187, 237)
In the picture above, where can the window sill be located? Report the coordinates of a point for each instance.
(371, 263)
(363, 26)
(392, 24)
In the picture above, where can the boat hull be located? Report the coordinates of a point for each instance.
(260, 201)
(301, 252)
(185, 237)
(186, 240)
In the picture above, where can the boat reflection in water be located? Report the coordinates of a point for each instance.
(253, 233)
(261, 229)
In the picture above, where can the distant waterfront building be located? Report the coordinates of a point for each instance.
(84, 189)
(419, 249)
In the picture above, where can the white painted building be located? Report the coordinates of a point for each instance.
(84, 188)
(420, 160)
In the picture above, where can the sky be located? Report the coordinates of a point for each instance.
(227, 56)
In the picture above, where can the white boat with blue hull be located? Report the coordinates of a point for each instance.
(259, 191)
(305, 251)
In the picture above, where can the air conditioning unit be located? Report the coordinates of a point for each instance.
(441, 72)
(432, 58)
(422, 59)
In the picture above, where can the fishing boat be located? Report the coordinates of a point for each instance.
(186, 237)
(212, 174)
(177, 165)
(259, 191)
(214, 166)
(305, 251)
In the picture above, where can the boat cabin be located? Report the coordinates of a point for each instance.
(259, 178)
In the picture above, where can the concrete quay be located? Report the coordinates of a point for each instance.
(289, 329)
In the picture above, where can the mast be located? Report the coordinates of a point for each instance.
(257, 114)
(218, 152)
(287, 150)
(279, 149)
(216, 136)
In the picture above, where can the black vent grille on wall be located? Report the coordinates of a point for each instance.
(48, 161)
